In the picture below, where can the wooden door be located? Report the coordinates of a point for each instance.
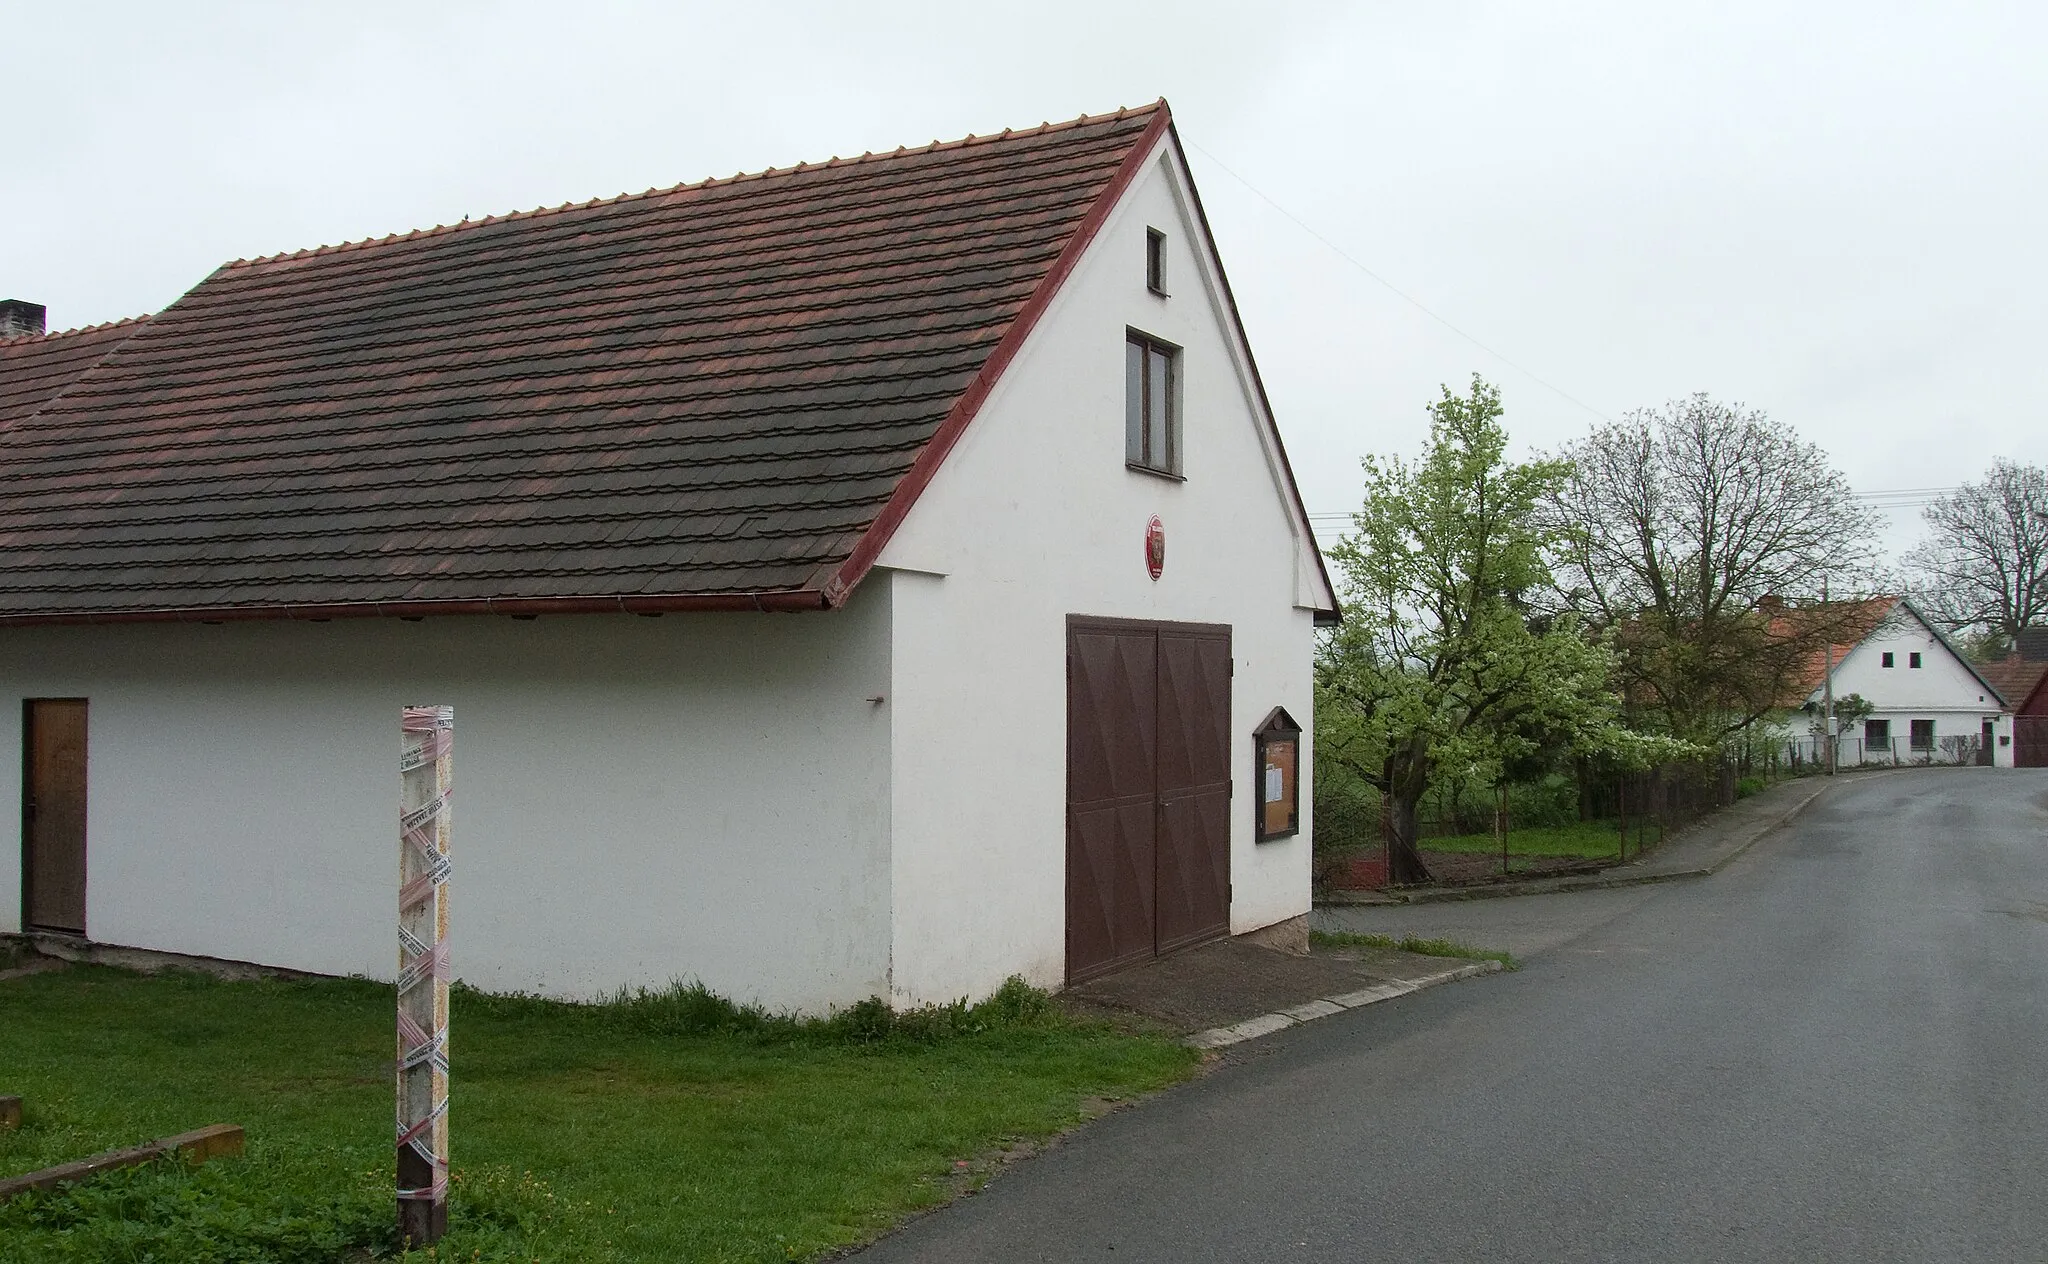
(1193, 900)
(1112, 796)
(2030, 741)
(1148, 790)
(53, 815)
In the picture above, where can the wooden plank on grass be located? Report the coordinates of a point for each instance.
(194, 1147)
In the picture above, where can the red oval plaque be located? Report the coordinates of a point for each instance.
(1155, 546)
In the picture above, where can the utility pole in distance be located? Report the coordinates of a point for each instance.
(1827, 680)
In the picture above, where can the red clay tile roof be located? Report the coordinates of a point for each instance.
(2015, 678)
(1853, 621)
(699, 397)
(34, 368)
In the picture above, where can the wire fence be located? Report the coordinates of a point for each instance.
(1618, 814)
(1806, 754)
(1636, 808)
(1648, 804)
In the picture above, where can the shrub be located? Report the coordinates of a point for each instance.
(691, 1009)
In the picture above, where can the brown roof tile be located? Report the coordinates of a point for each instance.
(36, 368)
(704, 395)
(2015, 678)
(1845, 624)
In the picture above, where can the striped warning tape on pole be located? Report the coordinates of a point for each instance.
(425, 787)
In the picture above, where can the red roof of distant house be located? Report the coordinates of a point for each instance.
(2018, 679)
(1855, 620)
(721, 395)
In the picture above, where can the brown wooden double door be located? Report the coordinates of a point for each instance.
(53, 815)
(2030, 741)
(1148, 790)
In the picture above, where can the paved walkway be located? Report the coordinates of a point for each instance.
(1527, 927)
(1231, 991)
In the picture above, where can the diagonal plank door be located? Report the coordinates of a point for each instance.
(1112, 795)
(1148, 790)
(1192, 902)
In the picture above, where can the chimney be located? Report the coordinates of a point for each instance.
(1770, 603)
(18, 317)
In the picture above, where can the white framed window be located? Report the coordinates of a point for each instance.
(1151, 404)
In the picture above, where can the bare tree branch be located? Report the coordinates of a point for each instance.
(1983, 567)
(1676, 526)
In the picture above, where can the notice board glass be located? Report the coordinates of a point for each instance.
(1276, 781)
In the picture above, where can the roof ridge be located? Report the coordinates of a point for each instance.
(18, 339)
(710, 182)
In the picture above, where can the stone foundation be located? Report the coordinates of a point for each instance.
(1290, 936)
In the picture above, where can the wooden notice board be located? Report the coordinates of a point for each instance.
(1276, 777)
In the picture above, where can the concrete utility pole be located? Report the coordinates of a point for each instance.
(1827, 680)
(425, 781)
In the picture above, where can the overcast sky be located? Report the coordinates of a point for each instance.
(1835, 212)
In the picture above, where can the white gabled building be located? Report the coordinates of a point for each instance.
(977, 563)
(1929, 703)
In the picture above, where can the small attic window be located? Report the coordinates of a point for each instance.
(1155, 261)
(1887, 658)
(1913, 659)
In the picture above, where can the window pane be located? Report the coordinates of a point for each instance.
(1134, 402)
(1158, 398)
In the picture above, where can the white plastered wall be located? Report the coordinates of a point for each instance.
(1942, 689)
(1033, 517)
(637, 800)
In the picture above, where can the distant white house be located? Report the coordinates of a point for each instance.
(1929, 704)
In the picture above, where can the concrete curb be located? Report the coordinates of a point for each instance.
(1308, 1012)
(1589, 882)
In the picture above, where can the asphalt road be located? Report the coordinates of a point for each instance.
(1837, 1049)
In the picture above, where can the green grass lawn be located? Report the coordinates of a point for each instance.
(1414, 944)
(593, 1133)
(1593, 840)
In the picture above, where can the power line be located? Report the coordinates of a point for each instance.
(1322, 523)
(1330, 523)
(1393, 289)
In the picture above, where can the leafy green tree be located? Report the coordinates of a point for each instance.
(1850, 711)
(1440, 666)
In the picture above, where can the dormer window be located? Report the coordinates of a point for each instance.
(1155, 261)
